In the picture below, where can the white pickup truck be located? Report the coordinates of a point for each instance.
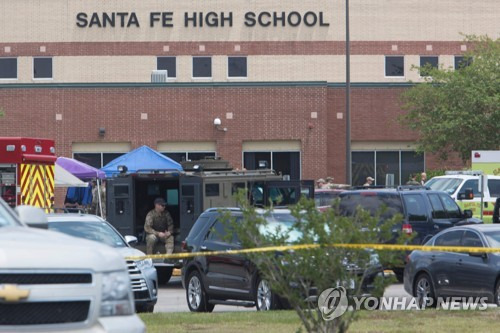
(51, 282)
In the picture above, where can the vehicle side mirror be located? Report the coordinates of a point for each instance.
(478, 254)
(33, 217)
(467, 195)
(467, 213)
(131, 240)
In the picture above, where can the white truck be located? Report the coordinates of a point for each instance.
(51, 282)
(485, 166)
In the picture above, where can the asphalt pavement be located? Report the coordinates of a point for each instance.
(172, 298)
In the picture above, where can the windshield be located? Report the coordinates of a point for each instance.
(100, 232)
(448, 185)
(7, 216)
(493, 238)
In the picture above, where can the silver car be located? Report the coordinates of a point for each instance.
(142, 273)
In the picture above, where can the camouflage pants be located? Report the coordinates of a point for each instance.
(151, 241)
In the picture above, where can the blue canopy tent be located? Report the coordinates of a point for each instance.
(142, 159)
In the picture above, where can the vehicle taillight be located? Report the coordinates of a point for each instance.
(407, 229)
(184, 245)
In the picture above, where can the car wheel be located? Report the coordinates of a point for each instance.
(195, 295)
(164, 274)
(497, 293)
(424, 291)
(265, 299)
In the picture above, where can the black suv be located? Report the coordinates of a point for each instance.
(425, 212)
(233, 279)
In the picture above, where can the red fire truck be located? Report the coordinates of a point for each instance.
(27, 171)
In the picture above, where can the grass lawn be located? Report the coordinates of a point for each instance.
(287, 321)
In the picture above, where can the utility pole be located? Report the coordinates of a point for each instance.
(347, 96)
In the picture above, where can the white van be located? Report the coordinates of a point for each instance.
(455, 184)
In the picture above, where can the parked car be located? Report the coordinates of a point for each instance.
(143, 277)
(55, 283)
(424, 212)
(234, 279)
(324, 198)
(429, 275)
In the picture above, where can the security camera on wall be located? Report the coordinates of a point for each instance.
(217, 122)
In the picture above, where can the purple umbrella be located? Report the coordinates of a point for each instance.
(80, 169)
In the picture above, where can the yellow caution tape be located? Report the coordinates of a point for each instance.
(380, 247)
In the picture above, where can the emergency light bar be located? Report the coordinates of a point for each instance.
(464, 172)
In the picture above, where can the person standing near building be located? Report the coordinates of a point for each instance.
(103, 198)
(159, 227)
(413, 180)
(329, 183)
(320, 183)
(423, 178)
(95, 199)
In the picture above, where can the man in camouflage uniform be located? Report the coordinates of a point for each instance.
(159, 227)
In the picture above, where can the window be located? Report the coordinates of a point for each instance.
(217, 232)
(461, 62)
(168, 64)
(438, 211)
(237, 66)
(494, 187)
(236, 187)
(415, 207)
(471, 239)
(42, 68)
(427, 61)
(189, 156)
(379, 164)
(8, 68)
(286, 163)
(97, 160)
(387, 164)
(451, 238)
(472, 184)
(450, 206)
(212, 190)
(394, 66)
(202, 67)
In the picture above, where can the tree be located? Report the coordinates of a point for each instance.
(458, 110)
(294, 274)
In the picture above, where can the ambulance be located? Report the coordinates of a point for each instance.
(27, 171)
(485, 174)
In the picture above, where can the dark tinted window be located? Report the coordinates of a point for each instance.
(42, 68)
(92, 159)
(251, 159)
(282, 195)
(362, 167)
(202, 67)
(235, 187)
(198, 227)
(452, 210)
(388, 204)
(108, 157)
(178, 157)
(8, 68)
(415, 207)
(471, 239)
(212, 190)
(472, 184)
(394, 66)
(461, 62)
(218, 232)
(494, 187)
(199, 155)
(387, 164)
(451, 238)
(168, 64)
(426, 61)
(237, 66)
(438, 211)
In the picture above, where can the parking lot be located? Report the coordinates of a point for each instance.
(172, 298)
